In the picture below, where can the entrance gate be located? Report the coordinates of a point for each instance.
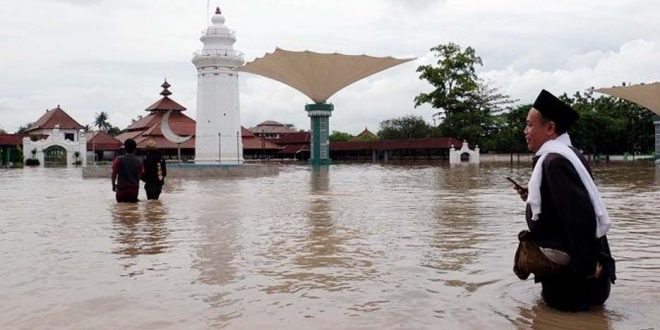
(55, 156)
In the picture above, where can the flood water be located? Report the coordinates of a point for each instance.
(349, 247)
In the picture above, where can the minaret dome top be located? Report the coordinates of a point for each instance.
(218, 19)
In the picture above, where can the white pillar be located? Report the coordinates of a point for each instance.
(218, 108)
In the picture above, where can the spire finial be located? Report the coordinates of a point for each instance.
(217, 11)
(165, 86)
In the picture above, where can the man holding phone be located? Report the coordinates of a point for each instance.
(565, 214)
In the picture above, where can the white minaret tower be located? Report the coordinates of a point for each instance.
(218, 131)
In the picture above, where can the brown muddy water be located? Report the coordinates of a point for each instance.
(352, 247)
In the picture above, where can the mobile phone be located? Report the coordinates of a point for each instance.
(514, 183)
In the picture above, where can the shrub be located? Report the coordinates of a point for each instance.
(32, 162)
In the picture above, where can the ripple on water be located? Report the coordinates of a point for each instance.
(352, 247)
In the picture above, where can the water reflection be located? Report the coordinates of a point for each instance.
(542, 317)
(323, 260)
(139, 229)
(352, 247)
(218, 249)
(455, 230)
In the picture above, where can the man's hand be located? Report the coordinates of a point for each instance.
(522, 191)
(114, 186)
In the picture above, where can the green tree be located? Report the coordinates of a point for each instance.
(101, 121)
(365, 137)
(609, 125)
(466, 105)
(114, 131)
(508, 131)
(23, 129)
(406, 127)
(340, 136)
(2, 131)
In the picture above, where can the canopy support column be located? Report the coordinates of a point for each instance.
(319, 114)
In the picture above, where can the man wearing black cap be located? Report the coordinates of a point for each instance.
(566, 216)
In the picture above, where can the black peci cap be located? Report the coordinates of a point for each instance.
(556, 110)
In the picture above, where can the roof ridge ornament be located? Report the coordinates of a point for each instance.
(165, 86)
(217, 11)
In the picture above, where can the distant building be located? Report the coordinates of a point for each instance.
(102, 146)
(297, 146)
(64, 143)
(256, 147)
(294, 145)
(424, 149)
(365, 135)
(56, 117)
(272, 130)
(11, 148)
(148, 128)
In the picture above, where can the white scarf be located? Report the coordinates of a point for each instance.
(560, 145)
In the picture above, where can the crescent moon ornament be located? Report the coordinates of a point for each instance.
(167, 132)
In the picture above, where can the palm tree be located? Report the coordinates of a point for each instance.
(101, 120)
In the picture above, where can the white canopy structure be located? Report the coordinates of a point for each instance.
(646, 95)
(318, 75)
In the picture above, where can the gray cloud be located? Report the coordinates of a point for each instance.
(92, 56)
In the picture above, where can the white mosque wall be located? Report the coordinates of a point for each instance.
(464, 155)
(56, 138)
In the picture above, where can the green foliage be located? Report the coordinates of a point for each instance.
(454, 78)
(32, 162)
(466, 105)
(23, 129)
(609, 125)
(2, 131)
(114, 131)
(406, 127)
(366, 138)
(340, 136)
(508, 132)
(101, 120)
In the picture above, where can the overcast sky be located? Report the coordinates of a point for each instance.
(112, 55)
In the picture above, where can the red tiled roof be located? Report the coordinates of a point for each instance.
(165, 104)
(54, 117)
(259, 143)
(246, 133)
(272, 127)
(179, 123)
(364, 134)
(424, 143)
(102, 141)
(12, 139)
(290, 138)
(163, 143)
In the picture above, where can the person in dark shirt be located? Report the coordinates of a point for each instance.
(154, 171)
(565, 214)
(126, 172)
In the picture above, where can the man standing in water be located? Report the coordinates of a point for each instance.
(154, 171)
(126, 172)
(566, 216)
